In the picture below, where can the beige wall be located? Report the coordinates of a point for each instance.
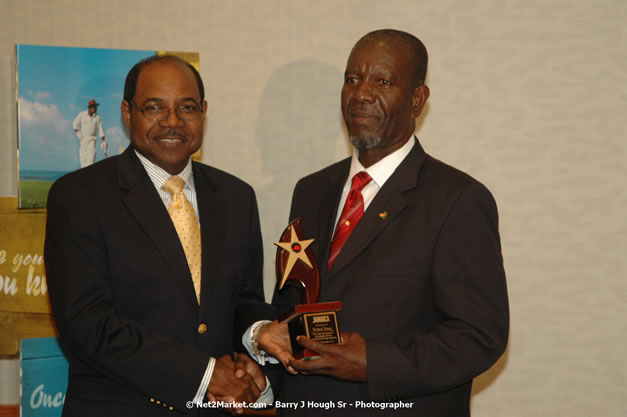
(527, 96)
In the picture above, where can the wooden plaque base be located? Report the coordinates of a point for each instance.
(316, 321)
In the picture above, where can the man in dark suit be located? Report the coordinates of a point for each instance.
(411, 248)
(146, 279)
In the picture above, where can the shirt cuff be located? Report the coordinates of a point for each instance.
(204, 383)
(266, 396)
(247, 340)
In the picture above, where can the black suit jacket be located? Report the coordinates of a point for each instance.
(421, 279)
(122, 294)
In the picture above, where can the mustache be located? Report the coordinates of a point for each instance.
(171, 133)
(359, 111)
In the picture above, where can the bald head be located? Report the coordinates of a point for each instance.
(415, 49)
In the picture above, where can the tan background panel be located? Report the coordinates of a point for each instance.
(527, 96)
(23, 284)
(24, 304)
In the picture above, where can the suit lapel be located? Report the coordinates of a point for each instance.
(386, 205)
(329, 202)
(145, 205)
(213, 215)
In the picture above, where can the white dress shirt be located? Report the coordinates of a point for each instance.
(380, 172)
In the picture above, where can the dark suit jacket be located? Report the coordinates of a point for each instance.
(121, 291)
(421, 279)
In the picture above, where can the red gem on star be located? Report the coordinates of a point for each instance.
(296, 247)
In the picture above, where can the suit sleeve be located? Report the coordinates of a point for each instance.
(251, 305)
(86, 316)
(470, 295)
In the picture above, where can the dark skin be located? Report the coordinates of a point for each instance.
(345, 361)
(245, 369)
(227, 386)
(380, 99)
(275, 340)
(168, 143)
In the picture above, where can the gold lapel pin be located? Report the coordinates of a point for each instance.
(383, 215)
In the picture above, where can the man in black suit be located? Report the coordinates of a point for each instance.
(412, 250)
(147, 310)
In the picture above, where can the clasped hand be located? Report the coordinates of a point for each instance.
(239, 381)
(345, 361)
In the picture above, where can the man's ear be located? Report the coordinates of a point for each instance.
(204, 108)
(125, 108)
(419, 99)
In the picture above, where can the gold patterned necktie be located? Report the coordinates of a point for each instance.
(186, 225)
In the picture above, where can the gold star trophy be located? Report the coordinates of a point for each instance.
(296, 265)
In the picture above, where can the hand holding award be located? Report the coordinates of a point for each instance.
(313, 327)
(297, 265)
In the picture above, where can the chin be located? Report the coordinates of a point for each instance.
(363, 143)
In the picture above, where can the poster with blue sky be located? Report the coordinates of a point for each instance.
(54, 85)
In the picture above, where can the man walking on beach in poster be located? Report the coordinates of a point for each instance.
(85, 125)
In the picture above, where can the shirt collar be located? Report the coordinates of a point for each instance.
(382, 170)
(159, 176)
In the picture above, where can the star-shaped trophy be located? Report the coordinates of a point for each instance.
(296, 265)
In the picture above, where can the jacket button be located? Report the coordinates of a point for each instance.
(202, 329)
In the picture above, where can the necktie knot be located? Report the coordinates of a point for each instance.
(360, 180)
(174, 185)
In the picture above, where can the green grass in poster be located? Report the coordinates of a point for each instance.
(34, 194)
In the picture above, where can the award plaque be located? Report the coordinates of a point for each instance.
(296, 265)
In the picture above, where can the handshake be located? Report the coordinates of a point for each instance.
(241, 381)
(236, 381)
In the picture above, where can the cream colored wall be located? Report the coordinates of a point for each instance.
(527, 96)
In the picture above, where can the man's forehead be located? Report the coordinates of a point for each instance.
(395, 47)
(167, 75)
(155, 68)
(394, 54)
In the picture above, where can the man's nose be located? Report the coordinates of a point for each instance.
(364, 92)
(172, 119)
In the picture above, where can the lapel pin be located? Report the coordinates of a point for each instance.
(383, 215)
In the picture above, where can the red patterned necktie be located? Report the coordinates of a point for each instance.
(351, 213)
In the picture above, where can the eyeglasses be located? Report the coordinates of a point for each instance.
(157, 112)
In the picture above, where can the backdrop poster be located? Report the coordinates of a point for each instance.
(57, 132)
(44, 377)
